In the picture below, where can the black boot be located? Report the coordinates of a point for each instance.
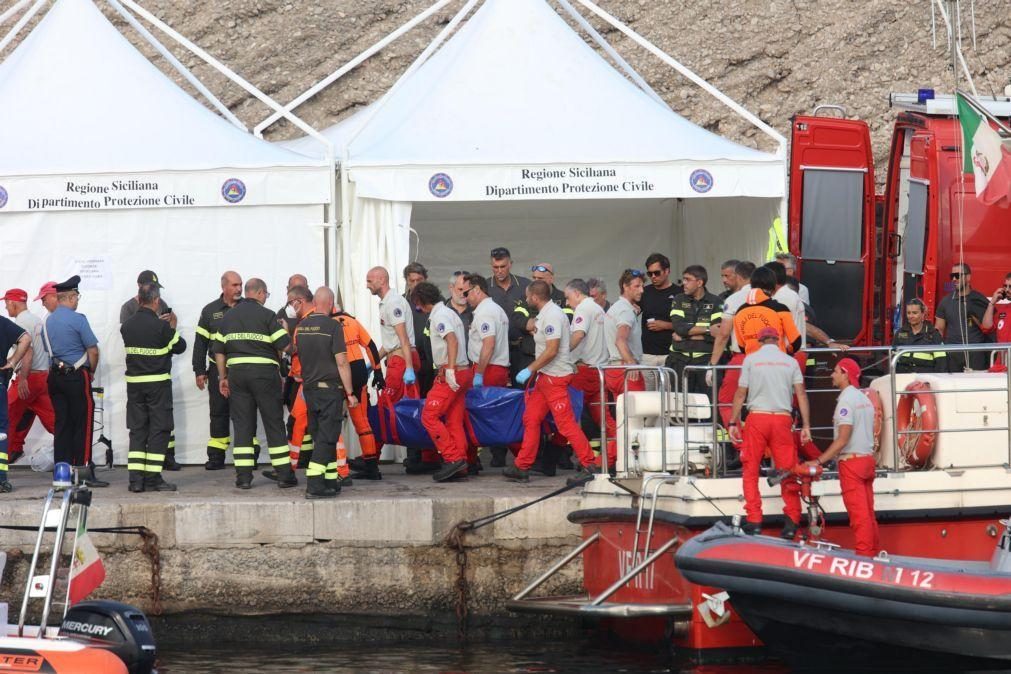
(213, 464)
(366, 469)
(5, 486)
(547, 460)
(789, 531)
(171, 463)
(450, 471)
(136, 482)
(583, 475)
(316, 488)
(157, 483)
(89, 479)
(338, 484)
(498, 457)
(751, 528)
(244, 481)
(285, 477)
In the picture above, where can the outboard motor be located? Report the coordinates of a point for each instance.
(1001, 560)
(116, 627)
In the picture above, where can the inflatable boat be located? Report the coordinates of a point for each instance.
(819, 599)
(92, 637)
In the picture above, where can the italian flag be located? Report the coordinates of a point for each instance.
(86, 569)
(987, 156)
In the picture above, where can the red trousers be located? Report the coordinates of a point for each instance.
(551, 395)
(725, 397)
(856, 478)
(395, 368)
(37, 404)
(443, 415)
(615, 382)
(495, 375)
(587, 380)
(764, 431)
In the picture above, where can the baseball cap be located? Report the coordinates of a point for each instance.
(852, 370)
(148, 276)
(48, 288)
(768, 333)
(16, 295)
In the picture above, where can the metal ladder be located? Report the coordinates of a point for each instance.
(56, 512)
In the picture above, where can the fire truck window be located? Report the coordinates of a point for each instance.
(912, 240)
(833, 215)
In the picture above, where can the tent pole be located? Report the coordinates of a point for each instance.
(9, 37)
(418, 62)
(676, 65)
(175, 63)
(610, 51)
(350, 65)
(345, 197)
(16, 7)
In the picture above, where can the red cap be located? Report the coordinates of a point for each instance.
(852, 370)
(16, 295)
(47, 289)
(768, 333)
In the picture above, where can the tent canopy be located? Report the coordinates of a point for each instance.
(517, 99)
(79, 98)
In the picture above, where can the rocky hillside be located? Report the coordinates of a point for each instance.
(777, 57)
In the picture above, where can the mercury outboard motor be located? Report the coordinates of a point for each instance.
(116, 627)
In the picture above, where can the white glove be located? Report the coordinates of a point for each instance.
(709, 378)
(451, 380)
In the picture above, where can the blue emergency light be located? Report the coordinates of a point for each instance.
(924, 95)
(62, 476)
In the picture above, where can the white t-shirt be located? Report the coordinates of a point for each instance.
(623, 313)
(489, 321)
(791, 300)
(731, 306)
(32, 324)
(854, 408)
(393, 311)
(805, 294)
(552, 323)
(769, 375)
(442, 322)
(589, 318)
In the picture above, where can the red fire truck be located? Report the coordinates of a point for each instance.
(861, 255)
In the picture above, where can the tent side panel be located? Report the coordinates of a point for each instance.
(709, 231)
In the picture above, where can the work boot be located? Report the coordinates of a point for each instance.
(365, 469)
(789, 531)
(564, 458)
(514, 474)
(285, 477)
(214, 465)
(244, 481)
(316, 488)
(547, 460)
(171, 463)
(6, 487)
(451, 470)
(752, 528)
(474, 468)
(338, 484)
(136, 484)
(584, 474)
(157, 483)
(421, 467)
(498, 457)
(89, 478)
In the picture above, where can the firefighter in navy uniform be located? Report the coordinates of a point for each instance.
(150, 344)
(917, 331)
(208, 329)
(326, 381)
(247, 355)
(693, 314)
(524, 317)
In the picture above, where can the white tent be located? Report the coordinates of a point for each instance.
(516, 132)
(109, 168)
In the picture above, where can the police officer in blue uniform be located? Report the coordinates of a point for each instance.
(73, 350)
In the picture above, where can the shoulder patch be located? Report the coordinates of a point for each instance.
(549, 330)
(485, 327)
(397, 312)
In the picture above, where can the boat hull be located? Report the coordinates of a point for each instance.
(64, 656)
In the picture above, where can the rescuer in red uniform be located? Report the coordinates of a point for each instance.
(769, 379)
(854, 445)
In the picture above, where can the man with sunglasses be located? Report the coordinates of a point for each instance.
(998, 314)
(959, 317)
(657, 330)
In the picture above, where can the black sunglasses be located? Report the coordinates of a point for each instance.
(654, 273)
(541, 268)
(955, 275)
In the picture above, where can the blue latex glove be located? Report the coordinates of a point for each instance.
(523, 375)
(478, 380)
(409, 376)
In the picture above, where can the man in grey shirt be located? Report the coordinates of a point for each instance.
(769, 380)
(854, 445)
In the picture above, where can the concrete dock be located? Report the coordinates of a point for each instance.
(377, 551)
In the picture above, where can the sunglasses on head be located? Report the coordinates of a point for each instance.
(635, 273)
(654, 272)
(461, 273)
(541, 268)
(499, 252)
